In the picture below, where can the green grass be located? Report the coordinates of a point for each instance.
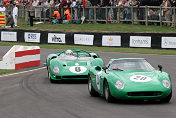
(7, 71)
(97, 27)
(94, 48)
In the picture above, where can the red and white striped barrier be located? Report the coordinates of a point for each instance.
(19, 57)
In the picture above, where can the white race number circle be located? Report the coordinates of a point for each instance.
(140, 78)
(78, 69)
(98, 79)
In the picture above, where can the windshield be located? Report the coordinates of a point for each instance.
(73, 57)
(131, 65)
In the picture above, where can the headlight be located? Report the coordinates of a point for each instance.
(56, 69)
(166, 83)
(119, 84)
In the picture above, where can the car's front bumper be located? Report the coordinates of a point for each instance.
(141, 94)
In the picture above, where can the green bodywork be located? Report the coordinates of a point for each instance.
(149, 90)
(67, 66)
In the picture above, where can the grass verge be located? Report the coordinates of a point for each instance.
(7, 71)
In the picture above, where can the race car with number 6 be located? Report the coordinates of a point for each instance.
(71, 64)
(130, 79)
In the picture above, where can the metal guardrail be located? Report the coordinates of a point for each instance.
(143, 15)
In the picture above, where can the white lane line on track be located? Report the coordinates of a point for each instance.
(22, 72)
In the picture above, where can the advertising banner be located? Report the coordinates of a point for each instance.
(56, 38)
(140, 41)
(168, 42)
(110, 40)
(83, 39)
(8, 36)
(32, 37)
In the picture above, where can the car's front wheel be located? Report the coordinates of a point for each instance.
(91, 90)
(107, 94)
(167, 99)
(49, 76)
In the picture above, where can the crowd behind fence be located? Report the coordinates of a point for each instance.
(146, 15)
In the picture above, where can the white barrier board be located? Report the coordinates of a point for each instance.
(110, 40)
(83, 39)
(140, 41)
(8, 36)
(56, 38)
(168, 42)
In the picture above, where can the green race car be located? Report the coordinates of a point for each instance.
(71, 64)
(130, 79)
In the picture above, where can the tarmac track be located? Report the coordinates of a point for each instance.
(31, 95)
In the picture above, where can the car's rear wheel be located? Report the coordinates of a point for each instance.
(107, 94)
(167, 99)
(91, 90)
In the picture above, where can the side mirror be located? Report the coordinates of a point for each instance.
(104, 68)
(98, 68)
(160, 67)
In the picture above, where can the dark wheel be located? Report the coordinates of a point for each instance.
(107, 94)
(49, 76)
(167, 99)
(91, 90)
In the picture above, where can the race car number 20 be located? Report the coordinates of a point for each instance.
(140, 78)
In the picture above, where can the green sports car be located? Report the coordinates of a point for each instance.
(130, 79)
(71, 64)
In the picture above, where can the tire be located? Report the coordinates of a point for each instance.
(107, 94)
(167, 99)
(49, 76)
(91, 90)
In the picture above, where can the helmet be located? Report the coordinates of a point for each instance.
(69, 52)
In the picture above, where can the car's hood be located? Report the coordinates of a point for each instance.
(138, 79)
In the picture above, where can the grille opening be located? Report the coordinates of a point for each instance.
(149, 93)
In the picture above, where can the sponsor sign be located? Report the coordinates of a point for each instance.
(168, 42)
(109, 40)
(8, 36)
(56, 38)
(32, 37)
(83, 39)
(140, 78)
(140, 41)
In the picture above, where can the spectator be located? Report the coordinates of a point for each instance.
(166, 10)
(75, 5)
(31, 13)
(63, 3)
(56, 14)
(173, 4)
(134, 3)
(69, 3)
(1, 2)
(2, 9)
(35, 3)
(89, 4)
(101, 11)
(110, 12)
(141, 11)
(9, 22)
(67, 16)
(52, 3)
(15, 14)
(57, 4)
(127, 11)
